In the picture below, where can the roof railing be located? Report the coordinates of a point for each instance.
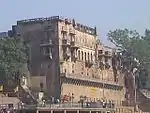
(77, 26)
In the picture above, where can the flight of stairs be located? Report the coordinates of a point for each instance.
(145, 92)
(27, 90)
(143, 100)
(26, 95)
(4, 99)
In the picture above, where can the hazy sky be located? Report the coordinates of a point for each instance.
(105, 14)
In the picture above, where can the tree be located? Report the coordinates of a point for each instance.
(12, 56)
(132, 45)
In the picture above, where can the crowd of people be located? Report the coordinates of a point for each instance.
(7, 108)
(100, 104)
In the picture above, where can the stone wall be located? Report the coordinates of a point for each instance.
(93, 93)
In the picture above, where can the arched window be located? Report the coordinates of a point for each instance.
(82, 55)
(91, 57)
(79, 55)
(85, 56)
(88, 56)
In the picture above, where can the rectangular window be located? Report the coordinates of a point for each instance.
(88, 56)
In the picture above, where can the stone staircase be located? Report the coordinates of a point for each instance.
(26, 95)
(28, 91)
(145, 92)
(143, 100)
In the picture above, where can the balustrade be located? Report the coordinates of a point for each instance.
(88, 80)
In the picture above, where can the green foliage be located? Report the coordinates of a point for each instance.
(131, 41)
(135, 46)
(12, 56)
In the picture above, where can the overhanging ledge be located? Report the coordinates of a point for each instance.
(92, 83)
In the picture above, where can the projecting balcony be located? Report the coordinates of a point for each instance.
(92, 81)
(47, 43)
(64, 29)
(74, 45)
(72, 32)
(65, 42)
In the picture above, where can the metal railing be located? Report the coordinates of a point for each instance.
(38, 19)
(72, 105)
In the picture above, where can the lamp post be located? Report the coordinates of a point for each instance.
(135, 93)
(135, 75)
(18, 94)
(103, 84)
(72, 97)
(82, 99)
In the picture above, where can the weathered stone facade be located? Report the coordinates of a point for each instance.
(66, 59)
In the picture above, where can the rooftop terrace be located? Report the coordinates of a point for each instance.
(77, 26)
